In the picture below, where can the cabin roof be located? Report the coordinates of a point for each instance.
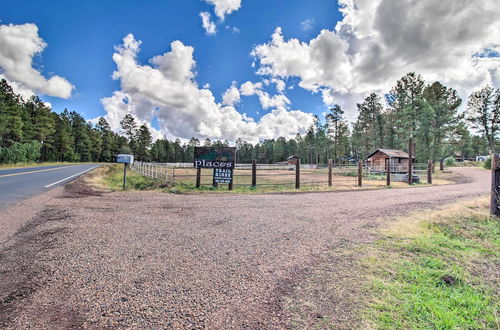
(393, 153)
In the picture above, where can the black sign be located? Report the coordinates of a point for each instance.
(223, 175)
(214, 157)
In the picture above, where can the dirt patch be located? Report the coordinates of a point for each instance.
(454, 176)
(22, 270)
(329, 294)
(81, 188)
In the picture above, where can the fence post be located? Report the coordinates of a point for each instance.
(254, 173)
(410, 162)
(214, 184)
(230, 186)
(330, 170)
(360, 172)
(297, 174)
(198, 177)
(388, 172)
(495, 185)
(429, 171)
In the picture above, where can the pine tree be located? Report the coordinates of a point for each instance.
(106, 136)
(143, 142)
(483, 112)
(405, 100)
(368, 132)
(63, 141)
(441, 109)
(11, 124)
(129, 129)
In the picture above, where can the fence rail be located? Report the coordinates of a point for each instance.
(287, 174)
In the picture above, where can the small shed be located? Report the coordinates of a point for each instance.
(380, 158)
(292, 160)
(459, 157)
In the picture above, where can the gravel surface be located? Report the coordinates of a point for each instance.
(151, 260)
(15, 215)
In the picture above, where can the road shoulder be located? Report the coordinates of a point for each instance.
(14, 216)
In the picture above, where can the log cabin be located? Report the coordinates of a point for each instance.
(398, 159)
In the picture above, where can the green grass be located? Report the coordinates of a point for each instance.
(113, 179)
(186, 188)
(432, 280)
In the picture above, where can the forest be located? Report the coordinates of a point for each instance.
(433, 114)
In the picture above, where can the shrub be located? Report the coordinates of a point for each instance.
(450, 161)
(21, 153)
(487, 164)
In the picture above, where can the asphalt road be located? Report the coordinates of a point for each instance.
(21, 183)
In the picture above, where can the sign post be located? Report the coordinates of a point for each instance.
(125, 159)
(221, 159)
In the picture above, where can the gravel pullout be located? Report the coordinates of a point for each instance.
(153, 260)
(14, 215)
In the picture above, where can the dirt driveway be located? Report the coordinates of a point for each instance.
(149, 260)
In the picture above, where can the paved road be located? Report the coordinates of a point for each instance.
(21, 183)
(151, 260)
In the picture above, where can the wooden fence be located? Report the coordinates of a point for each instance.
(299, 175)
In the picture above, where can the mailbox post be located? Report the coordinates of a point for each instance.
(125, 159)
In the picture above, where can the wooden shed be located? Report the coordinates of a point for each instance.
(380, 158)
(292, 160)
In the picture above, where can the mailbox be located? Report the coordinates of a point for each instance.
(126, 159)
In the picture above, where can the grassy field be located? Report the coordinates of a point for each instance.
(427, 270)
(268, 181)
(111, 177)
(278, 180)
(437, 270)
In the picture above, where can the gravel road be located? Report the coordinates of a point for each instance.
(151, 260)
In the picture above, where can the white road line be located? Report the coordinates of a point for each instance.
(69, 177)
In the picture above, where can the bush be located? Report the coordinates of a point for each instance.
(21, 153)
(450, 161)
(487, 164)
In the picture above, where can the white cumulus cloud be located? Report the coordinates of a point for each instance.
(207, 23)
(166, 89)
(224, 7)
(19, 45)
(379, 41)
(266, 101)
(307, 24)
(231, 96)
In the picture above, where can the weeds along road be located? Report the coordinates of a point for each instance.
(149, 260)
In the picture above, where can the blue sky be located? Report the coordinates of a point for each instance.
(277, 62)
(81, 37)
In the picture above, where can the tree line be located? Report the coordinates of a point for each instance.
(429, 113)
